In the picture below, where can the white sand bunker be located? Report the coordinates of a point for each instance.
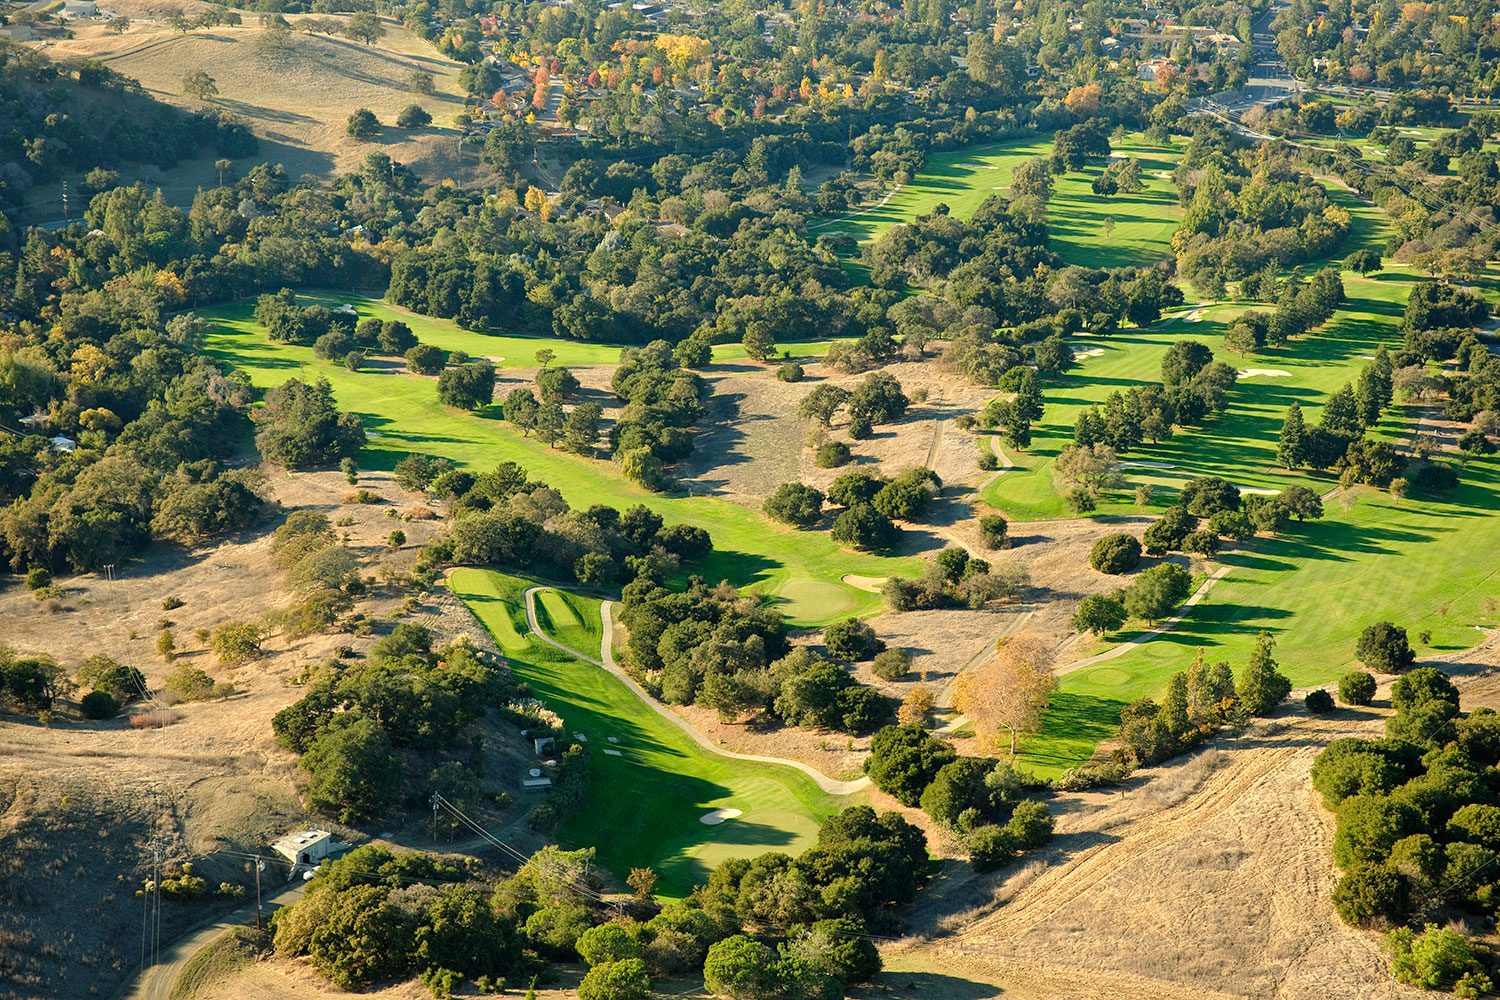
(718, 816)
(1092, 352)
(1196, 316)
(1146, 465)
(1268, 372)
(613, 753)
(1259, 491)
(494, 357)
(867, 583)
(1367, 357)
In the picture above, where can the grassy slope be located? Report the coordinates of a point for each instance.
(403, 410)
(650, 798)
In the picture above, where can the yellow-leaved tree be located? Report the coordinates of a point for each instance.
(1010, 693)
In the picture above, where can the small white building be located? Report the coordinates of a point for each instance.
(306, 847)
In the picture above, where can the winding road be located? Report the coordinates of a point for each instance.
(830, 785)
(157, 981)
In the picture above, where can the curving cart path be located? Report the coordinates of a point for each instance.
(830, 785)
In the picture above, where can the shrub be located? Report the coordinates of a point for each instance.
(1384, 647)
(990, 847)
(891, 664)
(1030, 824)
(188, 683)
(864, 527)
(1319, 702)
(622, 980)
(38, 577)
(1371, 896)
(796, 504)
(833, 455)
(1435, 959)
(1115, 554)
(995, 530)
(790, 372)
(987, 461)
(235, 642)
(1357, 688)
(99, 705)
(424, 359)
(851, 639)
(413, 116)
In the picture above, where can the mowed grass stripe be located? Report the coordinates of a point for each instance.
(963, 179)
(402, 413)
(644, 806)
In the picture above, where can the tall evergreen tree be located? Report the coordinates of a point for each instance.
(1291, 450)
(1262, 688)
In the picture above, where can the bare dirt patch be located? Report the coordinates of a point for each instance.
(81, 802)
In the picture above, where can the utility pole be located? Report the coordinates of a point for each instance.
(260, 866)
(434, 816)
(65, 198)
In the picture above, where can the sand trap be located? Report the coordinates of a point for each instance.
(374, 434)
(1268, 372)
(1259, 491)
(1146, 465)
(1367, 357)
(613, 753)
(1092, 352)
(580, 737)
(718, 816)
(871, 584)
(494, 357)
(613, 739)
(1196, 316)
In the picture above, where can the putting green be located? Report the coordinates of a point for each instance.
(645, 806)
(813, 600)
(1108, 677)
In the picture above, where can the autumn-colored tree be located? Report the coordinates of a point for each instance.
(1010, 693)
(1083, 101)
(643, 881)
(915, 707)
(543, 82)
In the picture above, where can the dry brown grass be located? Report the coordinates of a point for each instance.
(297, 98)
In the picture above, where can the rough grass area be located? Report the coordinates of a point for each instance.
(226, 955)
(298, 95)
(402, 414)
(962, 179)
(644, 805)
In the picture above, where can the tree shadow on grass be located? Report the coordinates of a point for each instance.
(923, 986)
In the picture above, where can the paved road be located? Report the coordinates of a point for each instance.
(158, 980)
(830, 785)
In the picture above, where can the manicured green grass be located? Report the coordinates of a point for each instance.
(1239, 444)
(1422, 562)
(963, 179)
(571, 619)
(402, 414)
(644, 806)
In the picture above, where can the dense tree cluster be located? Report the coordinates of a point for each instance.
(503, 518)
(1246, 209)
(355, 722)
(714, 647)
(978, 798)
(1418, 819)
(1198, 702)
